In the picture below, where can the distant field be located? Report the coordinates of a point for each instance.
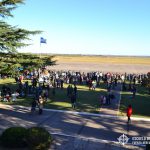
(103, 63)
(104, 59)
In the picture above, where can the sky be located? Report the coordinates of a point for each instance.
(101, 27)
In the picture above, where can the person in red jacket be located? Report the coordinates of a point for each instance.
(129, 113)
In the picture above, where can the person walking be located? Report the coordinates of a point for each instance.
(129, 113)
(73, 100)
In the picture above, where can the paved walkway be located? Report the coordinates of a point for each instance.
(79, 130)
(76, 131)
(113, 108)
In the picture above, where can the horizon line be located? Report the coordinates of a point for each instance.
(89, 54)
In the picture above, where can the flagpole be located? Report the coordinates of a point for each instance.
(42, 40)
(40, 58)
(40, 49)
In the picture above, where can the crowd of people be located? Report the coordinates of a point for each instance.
(43, 81)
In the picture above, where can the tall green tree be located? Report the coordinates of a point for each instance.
(11, 37)
(12, 63)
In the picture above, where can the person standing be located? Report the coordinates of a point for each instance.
(73, 100)
(129, 113)
(75, 90)
(41, 101)
(33, 106)
(93, 84)
(62, 83)
(68, 90)
(134, 92)
(90, 84)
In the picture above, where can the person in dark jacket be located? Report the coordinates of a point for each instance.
(75, 90)
(33, 106)
(73, 100)
(133, 91)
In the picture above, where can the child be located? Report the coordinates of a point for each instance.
(129, 113)
(40, 105)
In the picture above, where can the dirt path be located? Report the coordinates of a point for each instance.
(75, 131)
(104, 67)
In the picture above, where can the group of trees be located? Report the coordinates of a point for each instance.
(12, 38)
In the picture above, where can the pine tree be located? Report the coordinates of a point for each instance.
(13, 63)
(11, 37)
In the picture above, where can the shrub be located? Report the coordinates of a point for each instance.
(148, 147)
(14, 137)
(38, 138)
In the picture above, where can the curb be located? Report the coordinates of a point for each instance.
(77, 113)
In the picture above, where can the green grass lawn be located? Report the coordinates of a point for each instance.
(87, 100)
(140, 105)
(12, 84)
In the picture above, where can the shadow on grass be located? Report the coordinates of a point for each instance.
(87, 100)
(8, 82)
(140, 103)
(20, 101)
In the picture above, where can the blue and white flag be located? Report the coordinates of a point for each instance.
(42, 40)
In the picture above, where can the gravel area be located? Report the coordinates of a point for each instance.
(104, 67)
